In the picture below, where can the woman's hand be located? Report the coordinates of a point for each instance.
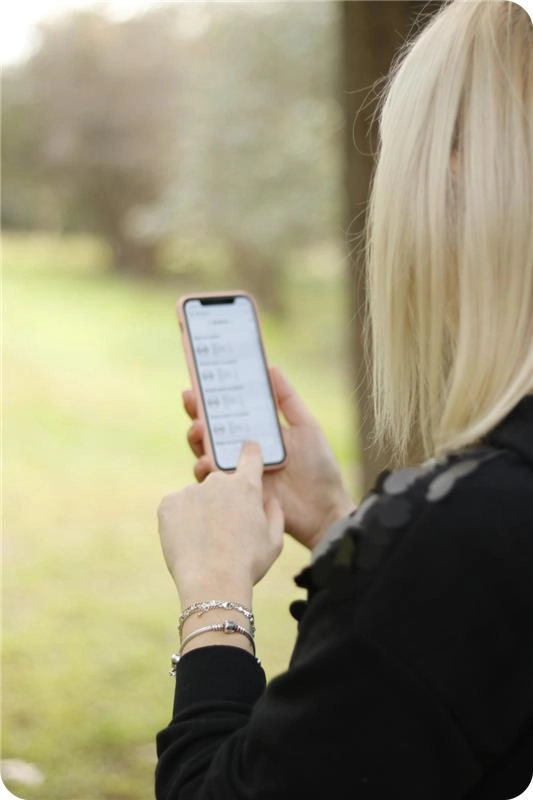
(309, 487)
(219, 537)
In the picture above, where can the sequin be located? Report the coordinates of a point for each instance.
(444, 483)
(400, 480)
(394, 512)
(364, 508)
(333, 534)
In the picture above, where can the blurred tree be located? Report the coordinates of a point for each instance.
(19, 169)
(371, 32)
(262, 147)
(103, 102)
(219, 123)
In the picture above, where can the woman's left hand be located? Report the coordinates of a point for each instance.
(219, 537)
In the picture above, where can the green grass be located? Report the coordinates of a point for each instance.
(93, 436)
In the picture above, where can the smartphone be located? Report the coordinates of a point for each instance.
(229, 373)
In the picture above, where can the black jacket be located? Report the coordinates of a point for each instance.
(412, 674)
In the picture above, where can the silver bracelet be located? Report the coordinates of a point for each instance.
(202, 606)
(228, 626)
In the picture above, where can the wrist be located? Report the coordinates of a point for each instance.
(215, 622)
(205, 592)
(217, 629)
(208, 585)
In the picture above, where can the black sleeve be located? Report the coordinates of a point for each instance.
(344, 715)
(400, 684)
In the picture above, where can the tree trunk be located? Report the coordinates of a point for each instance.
(261, 273)
(372, 31)
(135, 258)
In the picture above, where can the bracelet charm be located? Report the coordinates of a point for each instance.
(203, 606)
(229, 626)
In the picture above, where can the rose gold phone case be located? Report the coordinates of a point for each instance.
(187, 346)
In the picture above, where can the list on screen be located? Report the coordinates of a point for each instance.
(233, 379)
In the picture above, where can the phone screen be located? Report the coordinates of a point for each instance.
(233, 379)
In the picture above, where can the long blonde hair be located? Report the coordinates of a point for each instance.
(450, 231)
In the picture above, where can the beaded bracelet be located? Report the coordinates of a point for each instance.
(202, 606)
(228, 626)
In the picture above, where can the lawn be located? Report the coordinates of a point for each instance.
(93, 436)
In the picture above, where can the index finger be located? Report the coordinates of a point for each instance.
(189, 403)
(250, 463)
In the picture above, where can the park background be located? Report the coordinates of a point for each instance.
(183, 147)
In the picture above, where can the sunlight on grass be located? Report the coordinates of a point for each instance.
(94, 435)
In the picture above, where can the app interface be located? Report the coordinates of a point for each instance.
(233, 379)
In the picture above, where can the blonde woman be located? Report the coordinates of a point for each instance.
(412, 672)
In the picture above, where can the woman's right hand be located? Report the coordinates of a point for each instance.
(309, 488)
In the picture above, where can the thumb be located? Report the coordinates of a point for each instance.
(289, 401)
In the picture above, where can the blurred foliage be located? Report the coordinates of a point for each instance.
(99, 110)
(216, 123)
